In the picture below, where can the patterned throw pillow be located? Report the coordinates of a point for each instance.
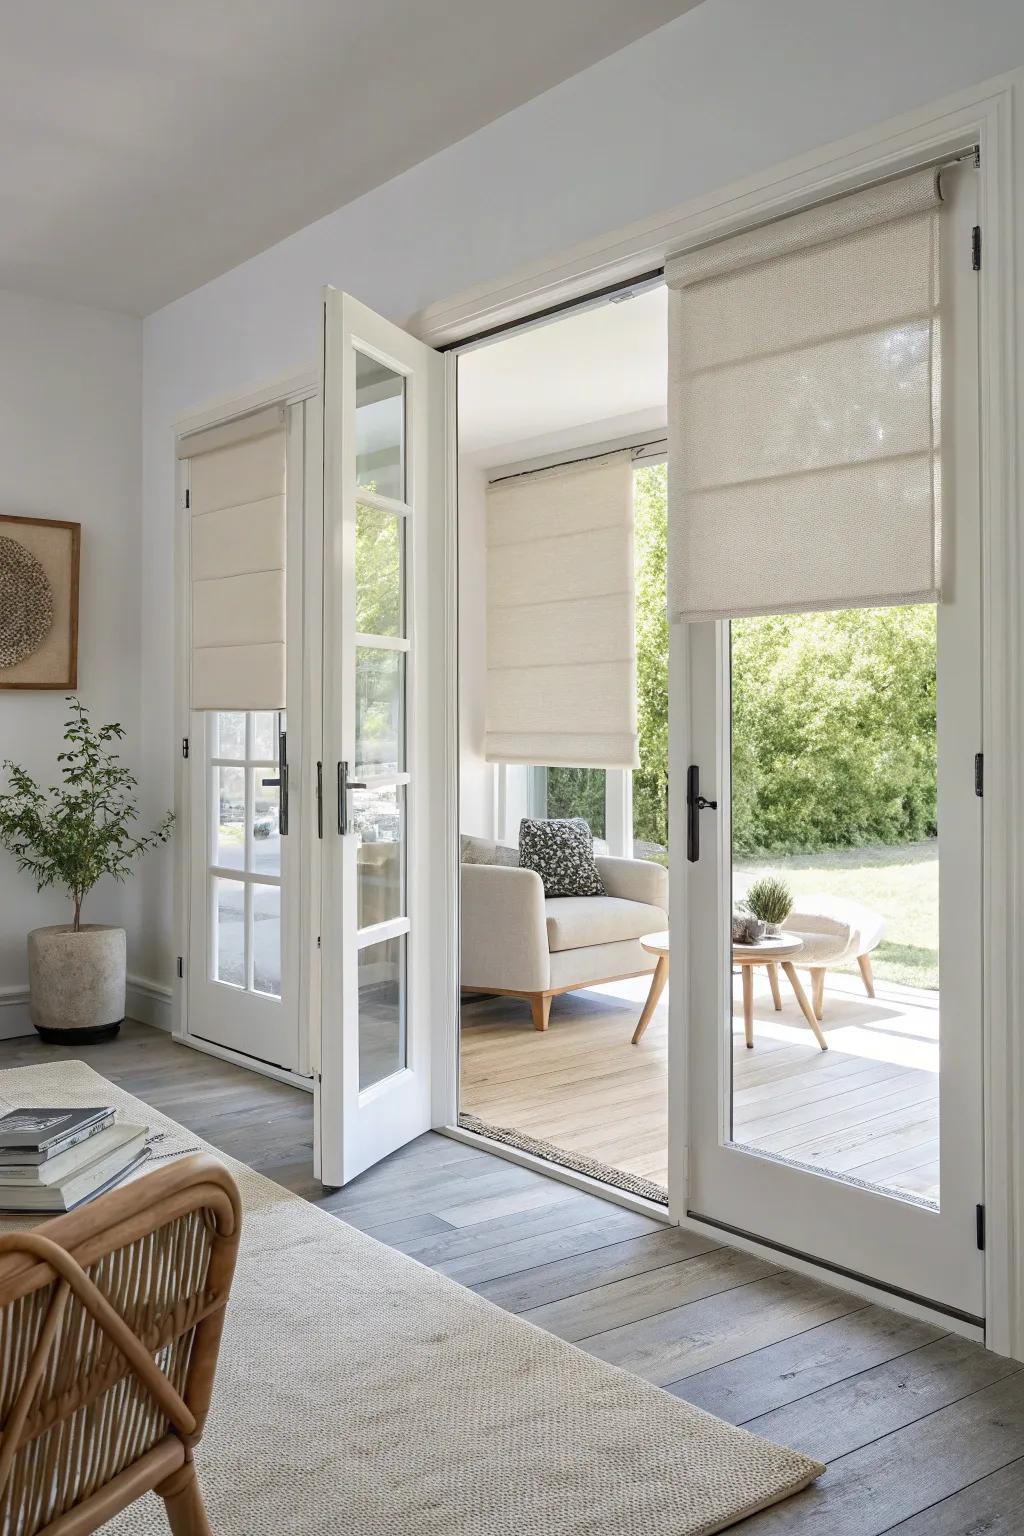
(562, 853)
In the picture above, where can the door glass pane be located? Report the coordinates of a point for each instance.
(835, 844)
(379, 538)
(264, 735)
(229, 736)
(229, 849)
(380, 708)
(266, 939)
(382, 970)
(380, 428)
(266, 825)
(229, 932)
(378, 816)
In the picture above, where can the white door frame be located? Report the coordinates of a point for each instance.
(992, 116)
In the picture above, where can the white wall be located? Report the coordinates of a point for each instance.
(70, 434)
(733, 87)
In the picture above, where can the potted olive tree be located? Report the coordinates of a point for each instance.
(70, 836)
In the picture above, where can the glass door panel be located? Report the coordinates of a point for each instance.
(383, 452)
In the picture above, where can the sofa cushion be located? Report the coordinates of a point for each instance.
(561, 851)
(483, 850)
(575, 922)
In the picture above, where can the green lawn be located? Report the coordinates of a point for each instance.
(900, 883)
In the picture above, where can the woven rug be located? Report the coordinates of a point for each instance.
(361, 1394)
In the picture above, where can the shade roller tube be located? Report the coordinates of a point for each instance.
(804, 420)
(561, 653)
(238, 560)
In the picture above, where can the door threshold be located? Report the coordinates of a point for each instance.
(240, 1059)
(564, 1175)
(874, 1291)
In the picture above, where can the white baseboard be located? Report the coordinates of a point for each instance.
(147, 1001)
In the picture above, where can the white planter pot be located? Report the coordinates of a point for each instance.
(76, 982)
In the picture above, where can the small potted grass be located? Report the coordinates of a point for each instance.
(770, 900)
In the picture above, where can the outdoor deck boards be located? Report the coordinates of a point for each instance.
(585, 1088)
(923, 1431)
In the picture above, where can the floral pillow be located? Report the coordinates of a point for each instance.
(562, 853)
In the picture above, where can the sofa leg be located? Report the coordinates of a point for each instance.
(867, 974)
(818, 990)
(540, 1005)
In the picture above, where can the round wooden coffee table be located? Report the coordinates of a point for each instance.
(655, 944)
(772, 953)
(769, 952)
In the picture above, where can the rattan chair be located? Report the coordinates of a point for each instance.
(110, 1325)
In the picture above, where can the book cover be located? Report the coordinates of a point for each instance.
(106, 1173)
(38, 1129)
(23, 1157)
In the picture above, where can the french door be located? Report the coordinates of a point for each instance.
(815, 1152)
(384, 452)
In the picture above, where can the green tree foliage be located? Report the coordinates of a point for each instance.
(578, 792)
(833, 715)
(833, 729)
(76, 832)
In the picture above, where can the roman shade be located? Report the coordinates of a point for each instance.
(238, 528)
(561, 657)
(804, 410)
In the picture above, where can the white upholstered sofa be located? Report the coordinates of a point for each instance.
(517, 942)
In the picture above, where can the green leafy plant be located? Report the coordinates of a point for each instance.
(770, 899)
(73, 834)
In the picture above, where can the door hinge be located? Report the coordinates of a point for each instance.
(318, 941)
(976, 248)
(979, 1226)
(979, 773)
(181, 966)
(184, 746)
(188, 498)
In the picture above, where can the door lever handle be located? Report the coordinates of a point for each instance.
(695, 803)
(281, 783)
(344, 785)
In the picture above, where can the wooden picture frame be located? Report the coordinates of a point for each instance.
(56, 547)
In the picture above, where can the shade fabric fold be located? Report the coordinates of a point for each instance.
(561, 652)
(804, 410)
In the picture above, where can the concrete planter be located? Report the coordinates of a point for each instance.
(76, 982)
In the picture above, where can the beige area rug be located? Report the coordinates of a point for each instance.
(361, 1394)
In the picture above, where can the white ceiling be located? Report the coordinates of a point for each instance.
(592, 377)
(149, 145)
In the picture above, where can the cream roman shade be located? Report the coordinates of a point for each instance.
(238, 527)
(561, 657)
(804, 410)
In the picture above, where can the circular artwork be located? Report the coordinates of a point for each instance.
(26, 603)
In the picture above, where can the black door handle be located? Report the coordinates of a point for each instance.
(344, 785)
(281, 782)
(695, 803)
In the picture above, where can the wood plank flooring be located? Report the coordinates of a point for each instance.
(867, 1107)
(923, 1432)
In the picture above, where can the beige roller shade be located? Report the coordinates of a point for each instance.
(804, 410)
(238, 528)
(561, 659)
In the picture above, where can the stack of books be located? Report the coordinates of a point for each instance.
(54, 1159)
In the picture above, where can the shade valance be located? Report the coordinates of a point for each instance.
(561, 660)
(804, 410)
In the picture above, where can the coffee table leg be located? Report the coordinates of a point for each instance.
(658, 981)
(805, 1007)
(773, 977)
(748, 1004)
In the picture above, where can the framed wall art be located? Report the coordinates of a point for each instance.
(38, 602)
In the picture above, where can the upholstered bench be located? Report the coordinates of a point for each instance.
(834, 932)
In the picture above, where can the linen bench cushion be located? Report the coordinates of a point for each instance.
(576, 922)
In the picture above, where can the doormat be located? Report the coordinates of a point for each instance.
(579, 1162)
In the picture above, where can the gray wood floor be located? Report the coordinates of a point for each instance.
(923, 1432)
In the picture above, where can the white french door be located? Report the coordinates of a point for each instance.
(384, 452)
(859, 1221)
